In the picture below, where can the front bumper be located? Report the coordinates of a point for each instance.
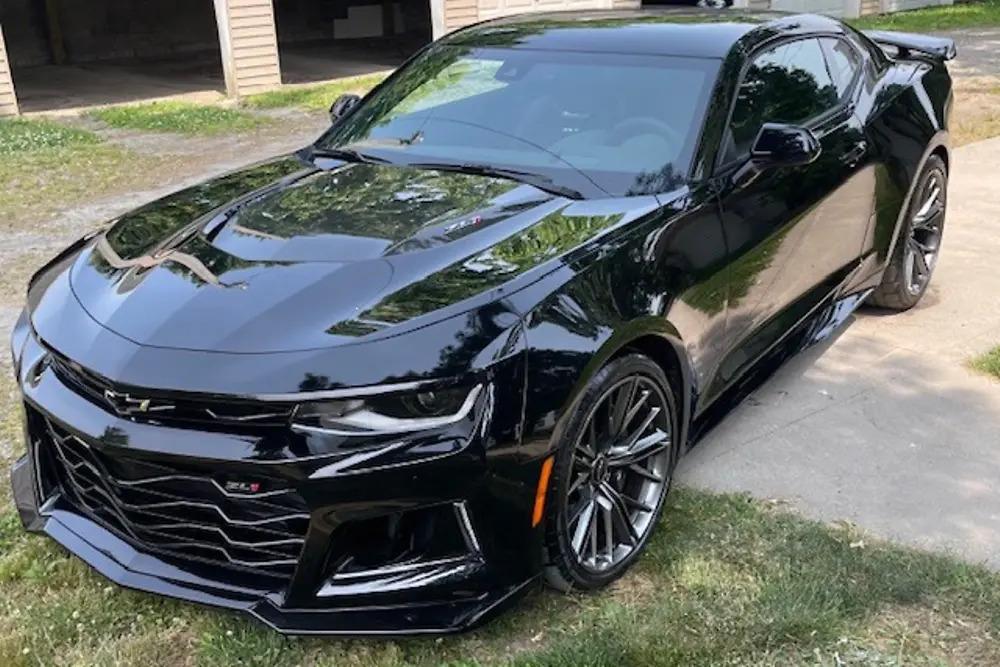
(123, 564)
(485, 481)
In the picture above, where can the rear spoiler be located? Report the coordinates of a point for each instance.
(906, 43)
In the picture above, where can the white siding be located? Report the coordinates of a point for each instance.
(249, 45)
(870, 7)
(840, 7)
(458, 13)
(828, 7)
(8, 101)
(903, 5)
(489, 9)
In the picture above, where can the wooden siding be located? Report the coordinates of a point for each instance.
(870, 7)
(906, 5)
(249, 45)
(458, 13)
(8, 101)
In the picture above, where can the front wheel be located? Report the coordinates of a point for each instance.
(611, 474)
(916, 252)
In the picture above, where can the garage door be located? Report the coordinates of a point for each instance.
(489, 9)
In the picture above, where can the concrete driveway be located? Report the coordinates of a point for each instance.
(884, 426)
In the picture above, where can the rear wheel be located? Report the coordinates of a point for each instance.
(611, 475)
(916, 252)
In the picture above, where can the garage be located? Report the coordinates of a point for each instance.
(61, 54)
(70, 54)
(328, 39)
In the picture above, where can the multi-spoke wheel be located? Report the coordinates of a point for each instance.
(612, 473)
(909, 271)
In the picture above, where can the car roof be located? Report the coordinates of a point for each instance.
(675, 31)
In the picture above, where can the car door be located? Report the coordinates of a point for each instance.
(794, 233)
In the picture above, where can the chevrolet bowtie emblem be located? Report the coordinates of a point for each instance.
(125, 403)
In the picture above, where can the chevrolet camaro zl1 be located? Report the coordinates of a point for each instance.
(457, 345)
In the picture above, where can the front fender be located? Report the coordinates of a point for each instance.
(573, 334)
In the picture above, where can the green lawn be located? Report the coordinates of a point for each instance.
(19, 136)
(726, 581)
(180, 117)
(934, 19)
(314, 98)
(46, 165)
(988, 362)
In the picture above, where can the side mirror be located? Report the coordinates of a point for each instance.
(779, 145)
(343, 106)
(784, 146)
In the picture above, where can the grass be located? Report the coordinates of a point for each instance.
(988, 362)
(726, 581)
(933, 19)
(179, 117)
(313, 98)
(967, 128)
(20, 135)
(37, 183)
(44, 165)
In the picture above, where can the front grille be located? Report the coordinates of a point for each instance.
(169, 408)
(184, 513)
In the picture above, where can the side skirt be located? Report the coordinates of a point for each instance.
(817, 326)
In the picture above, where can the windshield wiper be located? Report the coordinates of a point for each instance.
(477, 169)
(348, 154)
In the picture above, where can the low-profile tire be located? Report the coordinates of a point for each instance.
(913, 259)
(613, 468)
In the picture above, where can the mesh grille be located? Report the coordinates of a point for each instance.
(163, 509)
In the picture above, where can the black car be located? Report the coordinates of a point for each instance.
(457, 346)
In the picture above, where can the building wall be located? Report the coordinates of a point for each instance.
(97, 30)
(846, 8)
(904, 5)
(249, 45)
(27, 44)
(459, 13)
(8, 102)
(828, 7)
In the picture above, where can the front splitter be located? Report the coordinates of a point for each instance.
(126, 566)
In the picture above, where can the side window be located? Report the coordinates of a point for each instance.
(787, 84)
(844, 63)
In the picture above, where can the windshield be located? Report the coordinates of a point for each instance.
(596, 123)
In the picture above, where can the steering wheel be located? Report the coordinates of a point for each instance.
(644, 125)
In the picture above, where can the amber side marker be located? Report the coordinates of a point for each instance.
(543, 486)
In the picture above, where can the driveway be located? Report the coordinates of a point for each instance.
(884, 426)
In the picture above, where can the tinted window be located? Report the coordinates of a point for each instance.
(844, 63)
(627, 123)
(787, 84)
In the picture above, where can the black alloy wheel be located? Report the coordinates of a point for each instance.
(916, 252)
(612, 474)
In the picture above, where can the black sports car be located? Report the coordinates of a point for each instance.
(455, 347)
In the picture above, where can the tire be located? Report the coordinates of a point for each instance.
(581, 478)
(919, 243)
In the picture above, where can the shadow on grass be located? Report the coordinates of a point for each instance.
(725, 580)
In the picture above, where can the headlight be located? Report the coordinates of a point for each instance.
(387, 413)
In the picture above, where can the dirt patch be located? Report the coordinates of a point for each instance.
(48, 201)
(936, 635)
(976, 114)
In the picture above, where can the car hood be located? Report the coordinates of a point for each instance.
(290, 255)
